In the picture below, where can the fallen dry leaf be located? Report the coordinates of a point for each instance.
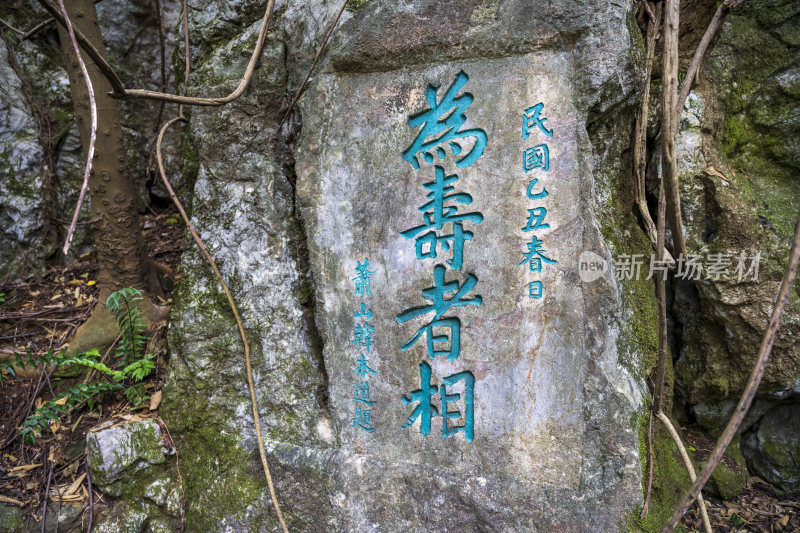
(71, 498)
(23, 470)
(6, 499)
(98, 427)
(71, 469)
(155, 400)
(73, 488)
(711, 171)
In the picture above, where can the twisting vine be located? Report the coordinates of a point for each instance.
(182, 118)
(672, 106)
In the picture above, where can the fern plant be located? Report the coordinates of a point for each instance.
(122, 306)
(43, 417)
(27, 362)
(131, 357)
(133, 342)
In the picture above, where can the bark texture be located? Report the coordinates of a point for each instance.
(121, 252)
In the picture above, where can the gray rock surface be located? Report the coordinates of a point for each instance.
(286, 217)
(13, 519)
(772, 448)
(537, 399)
(123, 451)
(130, 464)
(21, 212)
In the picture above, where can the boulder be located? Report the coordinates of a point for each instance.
(559, 381)
(120, 452)
(772, 447)
(129, 463)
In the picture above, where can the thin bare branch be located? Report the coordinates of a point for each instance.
(661, 297)
(163, 64)
(649, 11)
(640, 136)
(91, 499)
(190, 100)
(90, 50)
(25, 34)
(713, 30)
(669, 129)
(689, 466)
(187, 63)
(752, 384)
(47, 489)
(12, 28)
(313, 64)
(93, 130)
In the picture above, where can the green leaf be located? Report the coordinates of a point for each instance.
(736, 520)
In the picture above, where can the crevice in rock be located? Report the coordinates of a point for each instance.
(306, 288)
(683, 305)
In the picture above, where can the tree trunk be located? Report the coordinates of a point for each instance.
(121, 252)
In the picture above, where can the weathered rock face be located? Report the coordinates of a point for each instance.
(243, 207)
(558, 380)
(130, 464)
(738, 156)
(546, 370)
(123, 451)
(22, 216)
(771, 449)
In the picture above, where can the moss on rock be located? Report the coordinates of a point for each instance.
(670, 478)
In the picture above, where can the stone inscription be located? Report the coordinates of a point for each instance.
(442, 236)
